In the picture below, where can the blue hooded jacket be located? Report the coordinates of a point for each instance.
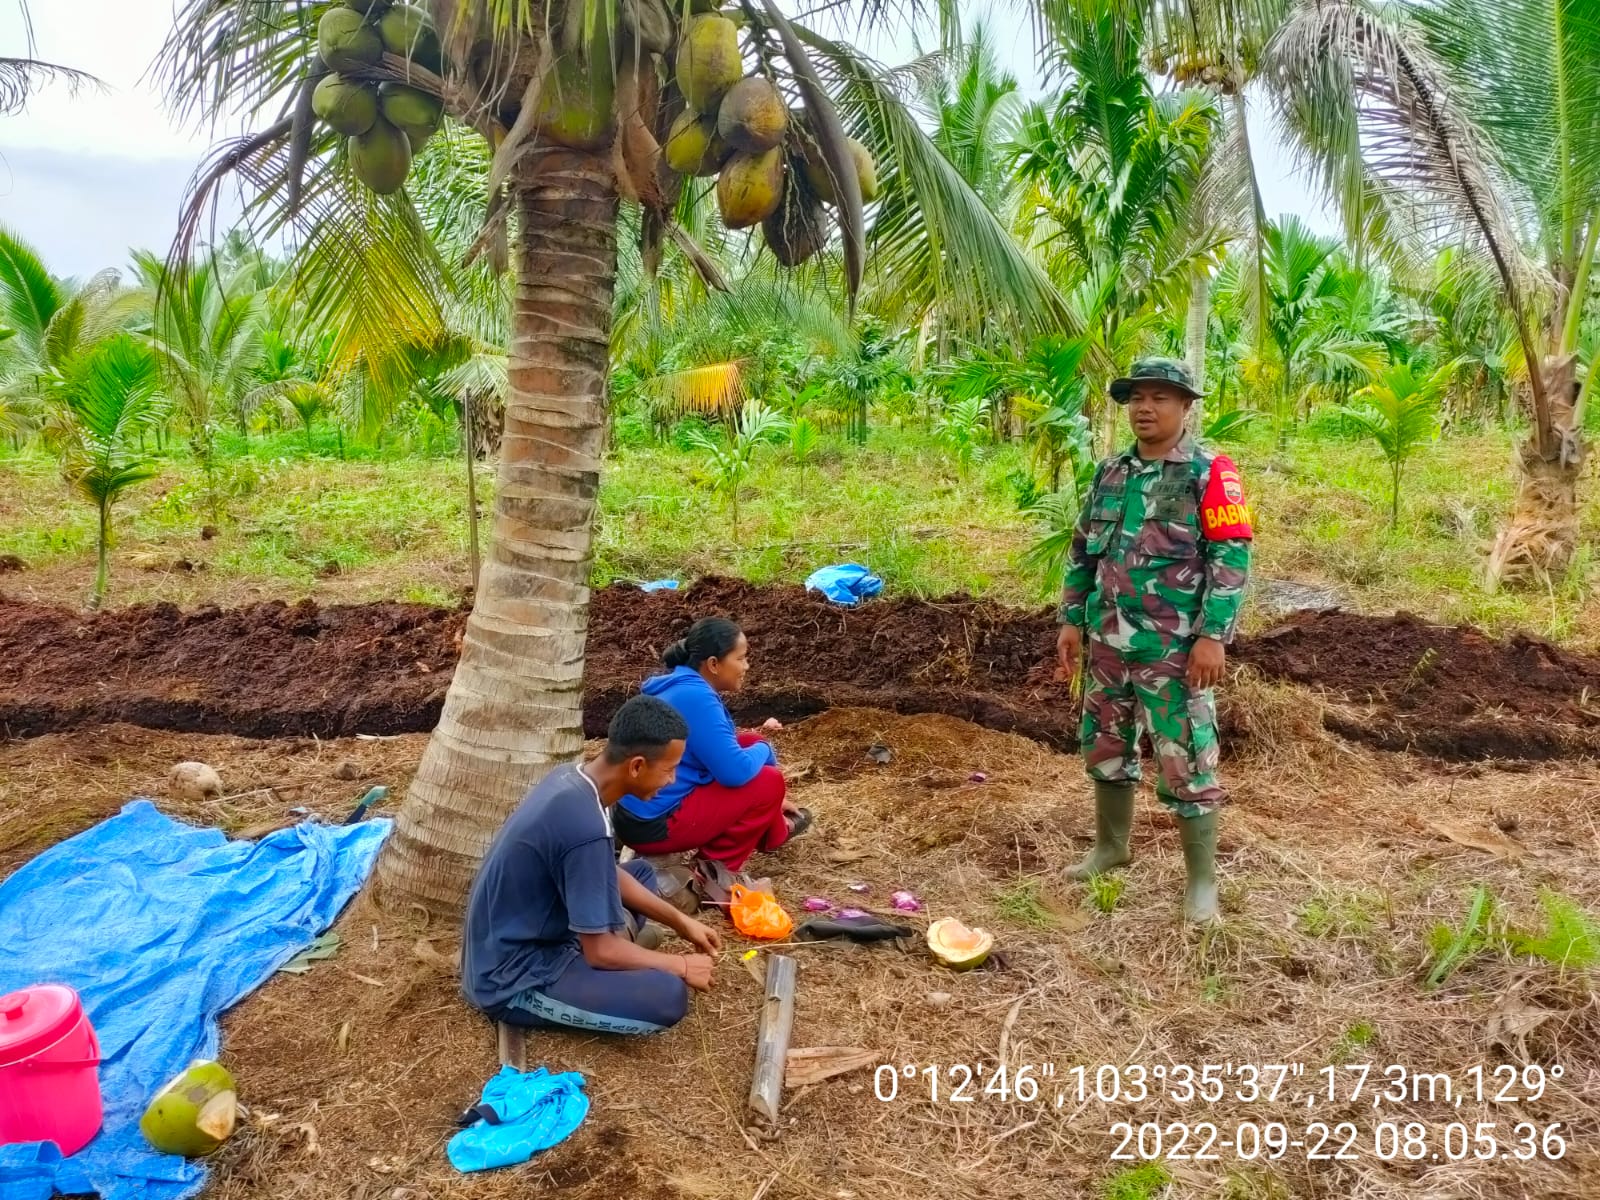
(713, 753)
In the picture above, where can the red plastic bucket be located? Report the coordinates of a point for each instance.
(49, 1069)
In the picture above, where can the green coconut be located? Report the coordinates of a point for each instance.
(408, 31)
(958, 947)
(577, 106)
(866, 171)
(410, 107)
(195, 1113)
(749, 188)
(346, 42)
(417, 136)
(693, 147)
(708, 61)
(346, 105)
(752, 116)
(381, 157)
(821, 180)
(367, 6)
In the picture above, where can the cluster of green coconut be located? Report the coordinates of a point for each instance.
(737, 127)
(388, 122)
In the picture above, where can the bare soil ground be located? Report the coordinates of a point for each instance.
(1337, 860)
(272, 669)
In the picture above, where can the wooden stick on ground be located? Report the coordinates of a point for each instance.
(512, 1044)
(772, 1040)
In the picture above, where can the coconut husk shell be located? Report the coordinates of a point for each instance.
(708, 61)
(381, 157)
(346, 42)
(752, 117)
(408, 31)
(693, 146)
(344, 105)
(409, 107)
(749, 188)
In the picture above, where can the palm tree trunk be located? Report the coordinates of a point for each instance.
(514, 709)
(102, 575)
(472, 490)
(1540, 538)
(1195, 323)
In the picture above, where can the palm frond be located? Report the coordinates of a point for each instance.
(29, 294)
(1373, 94)
(21, 77)
(932, 232)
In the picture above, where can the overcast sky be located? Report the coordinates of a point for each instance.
(85, 178)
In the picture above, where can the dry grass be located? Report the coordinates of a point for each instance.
(1333, 877)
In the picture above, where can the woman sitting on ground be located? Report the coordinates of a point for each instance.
(728, 800)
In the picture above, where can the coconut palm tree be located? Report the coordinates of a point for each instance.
(51, 321)
(1481, 118)
(1112, 176)
(206, 331)
(1400, 411)
(103, 400)
(513, 709)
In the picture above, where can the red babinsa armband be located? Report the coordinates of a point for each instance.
(1223, 511)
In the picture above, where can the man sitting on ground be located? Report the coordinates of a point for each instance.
(552, 920)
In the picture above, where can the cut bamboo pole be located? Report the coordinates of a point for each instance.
(772, 1039)
(512, 1045)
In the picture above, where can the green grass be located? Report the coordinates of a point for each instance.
(1332, 914)
(392, 522)
(1356, 1038)
(1147, 1181)
(1023, 902)
(1105, 891)
(1570, 939)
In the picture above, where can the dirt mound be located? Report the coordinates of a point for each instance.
(263, 670)
(274, 669)
(983, 662)
(1447, 691)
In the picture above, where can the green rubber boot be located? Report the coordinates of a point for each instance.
(1199, 838)
(1113, 818)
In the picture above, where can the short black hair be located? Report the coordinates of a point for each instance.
(643, 728)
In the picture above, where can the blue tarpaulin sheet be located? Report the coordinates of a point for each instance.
(847, 583)
(161, 927)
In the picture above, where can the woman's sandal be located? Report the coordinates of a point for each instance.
(799, 821)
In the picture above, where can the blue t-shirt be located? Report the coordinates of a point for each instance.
(550, 875)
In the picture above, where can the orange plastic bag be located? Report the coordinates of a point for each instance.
(758, 914)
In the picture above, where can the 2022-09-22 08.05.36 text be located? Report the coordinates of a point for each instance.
(1389, 1090)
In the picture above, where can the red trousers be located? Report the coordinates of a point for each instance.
(729, 824)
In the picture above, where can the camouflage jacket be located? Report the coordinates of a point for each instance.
(1142, 575)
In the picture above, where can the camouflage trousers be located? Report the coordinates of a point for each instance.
(1121, 698)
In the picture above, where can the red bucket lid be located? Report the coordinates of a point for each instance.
(35, 1019)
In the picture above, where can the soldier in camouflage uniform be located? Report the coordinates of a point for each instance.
(1155, 575)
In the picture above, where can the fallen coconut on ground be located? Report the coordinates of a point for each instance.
(194, 1113)
(194, 781)
(958, 947)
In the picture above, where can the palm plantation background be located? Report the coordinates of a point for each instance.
(546, 333)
